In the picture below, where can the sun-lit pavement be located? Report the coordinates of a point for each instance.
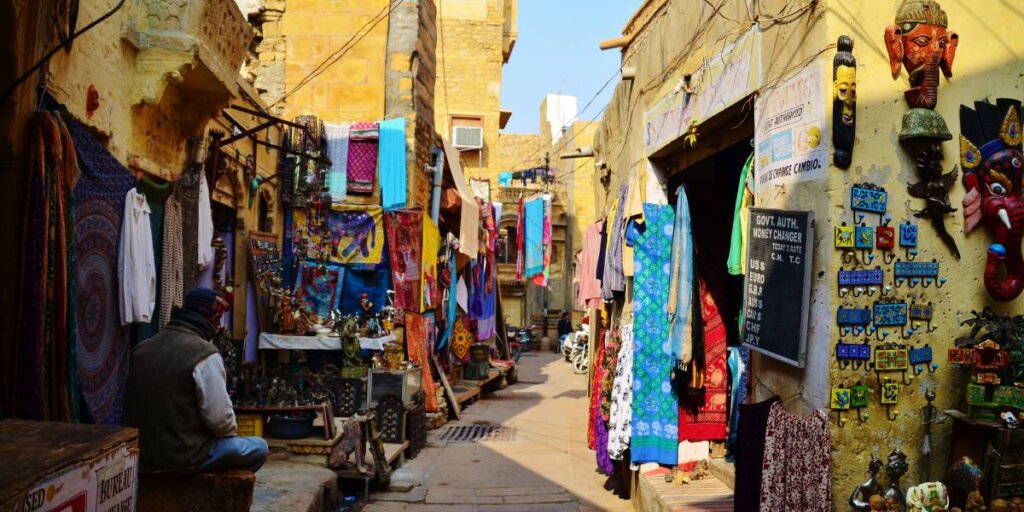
(546, 465)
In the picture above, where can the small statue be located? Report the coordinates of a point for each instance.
(896, 466)
(691, 135)
(365, 308)
(1009, 419)
(975, 502)
(861, 499)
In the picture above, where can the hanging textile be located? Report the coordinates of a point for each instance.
(482, 298)
(136, 267)
(318, 288)
(357, 234)
(596, 378)
(612, 347)
(604, 462)
(46, 380)
(706, 420)
(590, 286)
(186, 191)
(469, 213)
(462, 339)
(450, 299)
(621, 412)
(681, 281)
(157, 194)
(204, 250)
(405, 242)
(416, 344)
(633, 215)
(102, 345)
(744, 200)
(655, 412)
(337, 152)
(362, 157)
(749, 454)
(739, 364)
(797, 462)
(534, 237)
(431, 248)
(504, 179)
(520, 233)
(172, 289)
(614, 279)
(392, 163)
(544, 277)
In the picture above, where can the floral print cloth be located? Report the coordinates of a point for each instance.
(655, 425)
(620, 418)
(796, 462)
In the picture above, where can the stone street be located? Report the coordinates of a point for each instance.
(545, 466)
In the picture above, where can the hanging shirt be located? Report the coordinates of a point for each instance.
(205, 225)
(136, 266)
(614, 276)
(744, 200)
(590, 286)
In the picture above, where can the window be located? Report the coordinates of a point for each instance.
(507, 245)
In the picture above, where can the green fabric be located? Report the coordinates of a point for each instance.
(736, 248)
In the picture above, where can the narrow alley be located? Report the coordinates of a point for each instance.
(542, 464)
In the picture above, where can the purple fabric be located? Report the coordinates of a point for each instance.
(604, 461)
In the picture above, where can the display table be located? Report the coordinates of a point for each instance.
(290, 342)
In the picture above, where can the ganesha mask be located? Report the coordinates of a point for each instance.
(921, 42)
(990, 153)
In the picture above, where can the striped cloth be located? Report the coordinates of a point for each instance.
(705, 495)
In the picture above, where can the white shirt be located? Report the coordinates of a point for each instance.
(212, 393)
(205, 225)
(136, 267)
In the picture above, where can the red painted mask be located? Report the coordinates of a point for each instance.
(921, 42)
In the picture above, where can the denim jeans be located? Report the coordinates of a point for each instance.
(236, 453)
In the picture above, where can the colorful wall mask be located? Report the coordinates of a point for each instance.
(921, 42)
(990, 153)
(844, 102)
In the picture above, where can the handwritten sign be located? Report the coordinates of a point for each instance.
(777, 287)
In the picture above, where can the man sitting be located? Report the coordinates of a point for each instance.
(178, 399)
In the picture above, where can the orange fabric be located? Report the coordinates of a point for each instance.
(416, 344)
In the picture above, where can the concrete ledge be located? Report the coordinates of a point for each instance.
(724, 471)
(227, 491)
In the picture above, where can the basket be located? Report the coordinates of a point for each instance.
(285, 427)
(249, 425)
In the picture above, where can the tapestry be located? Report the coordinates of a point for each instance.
(451, 299)
(102, 344)
(416, 342)
(318, 288)
(482, 300)
(431, 247)
(357, 234)
(708, 421)
(462, 339)
(374, 283)
(393, 182)
(362, 157)
(655, 424)
(404, 234)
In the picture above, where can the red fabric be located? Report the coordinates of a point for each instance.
(596, 394)
(416, 343)
(709, 423)
(405, 247)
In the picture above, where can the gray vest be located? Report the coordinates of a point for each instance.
(161, 400)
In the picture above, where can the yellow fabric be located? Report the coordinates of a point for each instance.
(431, 246)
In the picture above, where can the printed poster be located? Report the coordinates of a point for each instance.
(790, 141)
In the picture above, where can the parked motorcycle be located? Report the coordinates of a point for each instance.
(575, 349)
(520, 339)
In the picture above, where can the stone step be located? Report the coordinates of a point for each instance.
(723, 470)
(283, 485)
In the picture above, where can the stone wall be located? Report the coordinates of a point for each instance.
(517, 151)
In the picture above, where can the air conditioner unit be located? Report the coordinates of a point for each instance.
(468, 137)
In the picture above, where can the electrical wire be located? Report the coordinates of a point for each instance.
(46, 57)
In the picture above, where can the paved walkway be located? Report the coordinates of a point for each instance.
(546, 465)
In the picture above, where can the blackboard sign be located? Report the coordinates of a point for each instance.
(777, 287)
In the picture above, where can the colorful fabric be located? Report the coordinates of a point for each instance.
(534, 237)
(634, 218)
(621, 412)
(520, 226)
(708, 421)
(357, 234)
(590, 286)
(318, 288)
(614, 279)
(392, 164)
(405, 242)
(612, 346)
(102, 344)
(739, 364)
(749, 454)
(744, 200)
(604, 462)
(431, 248)
(797, 462)
(655, 423)
(681, 284)
(416, 343)
(596, 377)
(482, 298)
(544, 277)
(157, 194)
(451, 299)
(337, 152)
(462, 339)
(504, 179)
(363, 145)
(374, 283)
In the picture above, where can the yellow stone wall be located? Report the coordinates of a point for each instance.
(351, 90)
(577, 182)
(469, 63)
(514, 149)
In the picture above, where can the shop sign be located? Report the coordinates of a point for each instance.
(722, 81)
(789, 136)
(104, 484)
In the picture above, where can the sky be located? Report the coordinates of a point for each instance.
(557, 53)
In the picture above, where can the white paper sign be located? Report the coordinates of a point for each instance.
(790, 132)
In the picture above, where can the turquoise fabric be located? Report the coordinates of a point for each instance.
(533, 239)
(392, 164)
(655, 422)
(682, 275)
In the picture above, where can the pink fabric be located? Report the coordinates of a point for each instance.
(362, 157)
(590, 285)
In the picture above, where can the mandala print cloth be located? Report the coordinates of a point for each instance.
(102, 344)
(796, 462)
(655, 425)
(462, 339)
(620, 416)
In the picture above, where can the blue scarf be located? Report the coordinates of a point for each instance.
(681, 287)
